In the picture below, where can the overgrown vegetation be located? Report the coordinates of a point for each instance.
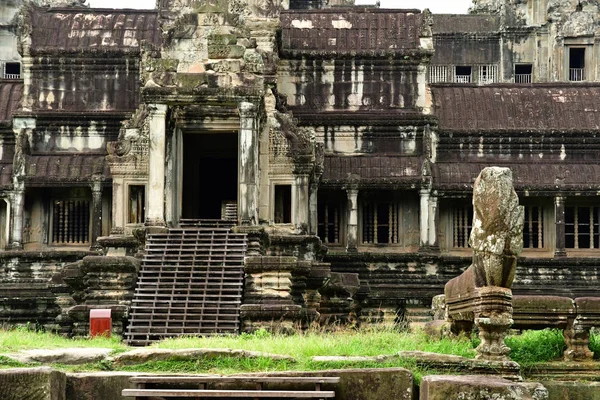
(527, 349)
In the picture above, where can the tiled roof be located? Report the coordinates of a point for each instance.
(68, 168)
(522, 108)
(350, 30)
(10, 95)
(372, 169)
(75, 29)
(532, 176)
(465, 23)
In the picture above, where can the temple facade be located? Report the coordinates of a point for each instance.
(343, 140)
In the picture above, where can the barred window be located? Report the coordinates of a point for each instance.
(533, 228)
(380, 222)
(462, 223)
(137, 201)
(330, 222)
(582, 227)
(70, 221)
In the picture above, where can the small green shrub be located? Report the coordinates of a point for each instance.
(532, 347)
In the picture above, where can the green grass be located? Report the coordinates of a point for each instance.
(536, 346)
(528, 348)
(367, 342)
(23, 338)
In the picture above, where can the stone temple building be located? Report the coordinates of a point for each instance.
(222, 165)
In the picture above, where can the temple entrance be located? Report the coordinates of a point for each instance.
(210, 174)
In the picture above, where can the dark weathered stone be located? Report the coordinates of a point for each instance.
(32, 384)
(443, 387)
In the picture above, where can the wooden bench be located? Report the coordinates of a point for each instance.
(200, 384)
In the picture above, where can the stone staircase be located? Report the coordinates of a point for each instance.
(190, 283)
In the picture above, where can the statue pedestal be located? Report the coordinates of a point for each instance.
(490, 309)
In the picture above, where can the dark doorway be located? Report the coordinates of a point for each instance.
(210, 174)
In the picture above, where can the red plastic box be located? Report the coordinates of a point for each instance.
(100, 322)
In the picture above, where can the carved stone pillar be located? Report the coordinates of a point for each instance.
(434, 217)
(352, 231)
(96, 212)
(424, 218)
(17, 205)
(118, 211)
(248, 174)
(155, 215)
(313, 207)
(302, 203)
(559, 215)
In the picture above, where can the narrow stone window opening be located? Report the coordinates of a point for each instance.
(576, 64)
(137, 204)
(283, 204)
(70, 222)
(463, 74)
(462, 223)
(523, 73)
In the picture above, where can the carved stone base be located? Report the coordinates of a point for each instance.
(577, 339)
(490, 309)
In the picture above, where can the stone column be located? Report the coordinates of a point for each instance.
(118, 209)
(17, 203)
(313, 208)
(434, 217)
(352, 232)
(96, 212)
(302, 207)
(155, 215)
(559, 218)
(424, 218)
(248, 174)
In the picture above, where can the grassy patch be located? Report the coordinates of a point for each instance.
(367, 342)
(532, 347)
(527, 349)
(24, 338)
(6, 362)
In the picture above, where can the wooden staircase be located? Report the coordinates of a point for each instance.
(190, 283)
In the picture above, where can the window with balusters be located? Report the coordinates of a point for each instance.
(582, 227)
(71, 222)
(462, 223)
(331, 218)
(533, 227)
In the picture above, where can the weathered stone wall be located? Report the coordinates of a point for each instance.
(396, 283)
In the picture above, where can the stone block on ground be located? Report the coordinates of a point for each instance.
(69, 356)
(363, 384)
(32, 384)
(98, 385)
(558, 390)
(140, 356)
(479, 387)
